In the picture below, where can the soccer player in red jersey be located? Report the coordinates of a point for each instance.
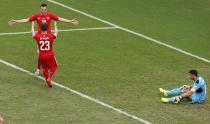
(47, 59)
(43, 17)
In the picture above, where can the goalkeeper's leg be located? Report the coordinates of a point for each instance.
(175, 99)
(176, 91)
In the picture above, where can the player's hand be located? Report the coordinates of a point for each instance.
(74, 21)
(12, 22)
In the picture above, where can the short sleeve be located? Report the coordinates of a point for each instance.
(53, 17)
(33, 18)
(53, 36)
(35, 37)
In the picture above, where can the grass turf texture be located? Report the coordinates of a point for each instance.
(111, 65)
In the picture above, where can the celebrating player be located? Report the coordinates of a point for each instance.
(46, 55)
(195, 93)
(43, 17)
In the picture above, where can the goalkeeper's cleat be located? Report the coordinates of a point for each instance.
(162, 91)
(37, 72)
(165, 100)
(175, 100)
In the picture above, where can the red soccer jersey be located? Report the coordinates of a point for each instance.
(47, 18)
(45, 43)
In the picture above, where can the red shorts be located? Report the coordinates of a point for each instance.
(47, 61)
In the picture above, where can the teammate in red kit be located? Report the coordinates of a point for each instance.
(47, 59)
(43, 17)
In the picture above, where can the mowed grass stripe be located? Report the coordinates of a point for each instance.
(25, 100)
(79, 93)
(130, 31)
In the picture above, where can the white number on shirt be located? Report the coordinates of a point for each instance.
(44, 45)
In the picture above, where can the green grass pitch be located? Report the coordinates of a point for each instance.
(114, 66)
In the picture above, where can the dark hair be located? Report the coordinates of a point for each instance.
(43, 5)
(44, 27)
(194, 72)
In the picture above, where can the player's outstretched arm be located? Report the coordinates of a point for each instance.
(56, 29)
(72, 21)
(32, 29)
(13, 21)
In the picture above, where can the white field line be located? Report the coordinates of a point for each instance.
(78, 93)
(130, 31)
(65, 30)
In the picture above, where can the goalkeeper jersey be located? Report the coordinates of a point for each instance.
(199, 88)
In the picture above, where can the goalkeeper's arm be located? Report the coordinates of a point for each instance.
(188, 93)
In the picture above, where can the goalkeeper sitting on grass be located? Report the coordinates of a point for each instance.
(195, 93)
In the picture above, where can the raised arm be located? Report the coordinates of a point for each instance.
(30, 19)
(56, 29)
(13, 21)
(32, 29)
(72, 21)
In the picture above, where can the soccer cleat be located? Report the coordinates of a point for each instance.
(164, 92)
(49, 82)
(165, 100)
(175, 100)
(37, 72)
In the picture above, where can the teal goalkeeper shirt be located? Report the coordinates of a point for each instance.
(199, 88)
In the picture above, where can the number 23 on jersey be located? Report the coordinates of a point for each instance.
(44, 45)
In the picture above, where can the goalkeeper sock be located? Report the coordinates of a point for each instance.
(176, 91)
(175, 99)
(171, 100)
